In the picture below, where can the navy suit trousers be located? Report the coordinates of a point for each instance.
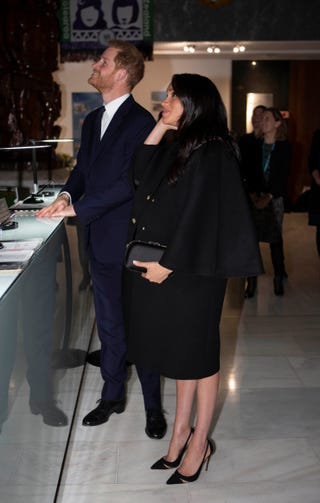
(106, 280)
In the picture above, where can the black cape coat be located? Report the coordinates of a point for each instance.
(211, 232)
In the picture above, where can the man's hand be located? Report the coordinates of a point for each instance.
(156, 273)
(59, 208)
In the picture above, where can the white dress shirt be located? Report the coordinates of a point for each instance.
(110, 110)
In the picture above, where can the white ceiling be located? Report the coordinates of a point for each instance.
(306, 49)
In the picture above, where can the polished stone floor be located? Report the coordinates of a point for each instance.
(267, 421)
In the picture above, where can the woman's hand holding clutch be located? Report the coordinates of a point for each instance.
(156, 273)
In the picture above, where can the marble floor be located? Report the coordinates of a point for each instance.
(267, 421)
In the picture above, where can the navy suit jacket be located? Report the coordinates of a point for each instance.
(99, 184)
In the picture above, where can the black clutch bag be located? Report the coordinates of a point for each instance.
(144, 251)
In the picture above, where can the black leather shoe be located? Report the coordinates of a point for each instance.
(278, 285)
(101, 414)
(51, 414)
(251, 287)
(94, 358)
(156, 425)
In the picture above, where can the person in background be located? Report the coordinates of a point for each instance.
(250, 149)
(314, 201)
(250, 143)
(267, 188)
(173, 310)
(99, 193)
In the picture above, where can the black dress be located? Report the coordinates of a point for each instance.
(173, 328)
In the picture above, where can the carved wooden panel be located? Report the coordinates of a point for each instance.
(30, 99)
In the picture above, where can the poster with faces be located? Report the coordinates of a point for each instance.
(90, 24)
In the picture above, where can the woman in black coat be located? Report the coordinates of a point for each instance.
(267, 188)
(190, 199)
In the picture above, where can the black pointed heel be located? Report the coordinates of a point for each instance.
(178, 478)
(163, 464)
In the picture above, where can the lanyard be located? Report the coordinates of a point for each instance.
(266, 158)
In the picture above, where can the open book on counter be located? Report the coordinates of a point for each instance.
(14, 255)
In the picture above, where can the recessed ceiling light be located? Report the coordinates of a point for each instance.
(239, 48)
(213, 48)
(189, 48)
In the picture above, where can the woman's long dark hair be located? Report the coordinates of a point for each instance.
(203, 119)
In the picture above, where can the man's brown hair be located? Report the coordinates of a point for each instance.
(129, 58)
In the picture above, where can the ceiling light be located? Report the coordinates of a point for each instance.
(239, 48)
(214, 49)
(253, 63)
(189, 48)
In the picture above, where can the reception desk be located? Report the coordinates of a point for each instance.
(45, 328)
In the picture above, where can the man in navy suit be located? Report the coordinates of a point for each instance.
(99, 193)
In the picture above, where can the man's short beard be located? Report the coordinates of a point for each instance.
(92, 83)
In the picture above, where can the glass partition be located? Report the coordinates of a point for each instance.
(46, 321)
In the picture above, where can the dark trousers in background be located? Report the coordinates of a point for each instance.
(318, 239)
(277, 258)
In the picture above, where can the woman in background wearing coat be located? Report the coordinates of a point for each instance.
(190, 199)
(267, 186)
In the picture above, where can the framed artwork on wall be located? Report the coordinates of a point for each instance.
(86, 26)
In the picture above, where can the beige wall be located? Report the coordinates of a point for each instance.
(72, 77)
